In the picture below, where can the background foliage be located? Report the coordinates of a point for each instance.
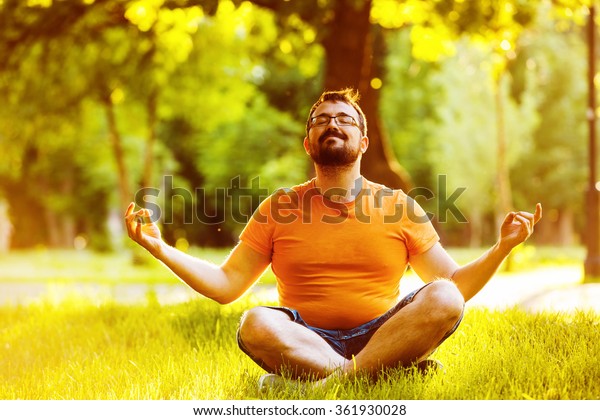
(104, 97)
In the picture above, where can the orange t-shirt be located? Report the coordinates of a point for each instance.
(339, 264)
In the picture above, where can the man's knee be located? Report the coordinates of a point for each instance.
(256, 325)
(445, 300)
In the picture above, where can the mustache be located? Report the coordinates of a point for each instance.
(332, 133)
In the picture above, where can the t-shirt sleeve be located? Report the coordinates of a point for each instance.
(417, 229)
(258, 233)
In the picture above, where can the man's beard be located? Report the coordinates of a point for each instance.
(325, 155)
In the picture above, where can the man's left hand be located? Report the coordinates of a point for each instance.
(517, 227)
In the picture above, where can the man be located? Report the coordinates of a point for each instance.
(338, 245)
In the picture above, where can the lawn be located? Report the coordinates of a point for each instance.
(55, 266)
(80, 348)
(136, 266)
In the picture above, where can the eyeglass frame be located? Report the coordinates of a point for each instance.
(334, 117)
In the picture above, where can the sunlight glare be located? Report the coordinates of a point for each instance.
(117, 96)
(80, 243)
(41, 3)
(376, 83)
(285, 46)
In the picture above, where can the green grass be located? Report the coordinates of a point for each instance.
(43, 266)
(129, 267)
(82, 349)
(78, 350)
(528, 257)
(79, 266)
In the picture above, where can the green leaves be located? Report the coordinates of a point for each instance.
(239, 76)
(143, 13)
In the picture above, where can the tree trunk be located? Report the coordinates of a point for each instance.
(502, 170)
(6, 228)
(566, 221)
(24, 205)
(351, 61)
(476, 228)
(147, 180)
(558, 228)
(125, 195)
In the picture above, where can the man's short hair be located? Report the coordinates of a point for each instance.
(349, 96)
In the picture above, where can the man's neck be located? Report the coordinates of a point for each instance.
(338, 183)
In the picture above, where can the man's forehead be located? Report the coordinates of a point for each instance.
(334, 108)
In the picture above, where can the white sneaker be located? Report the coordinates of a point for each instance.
(270, 381)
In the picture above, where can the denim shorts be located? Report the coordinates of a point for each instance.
(350, 342)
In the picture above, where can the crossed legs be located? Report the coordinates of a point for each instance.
(408, 336)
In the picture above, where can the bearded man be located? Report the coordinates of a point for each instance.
(339, 245)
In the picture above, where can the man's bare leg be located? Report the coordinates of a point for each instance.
(414, 332)
(271, 336)
(407, 337)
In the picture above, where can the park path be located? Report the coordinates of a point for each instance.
(552, 288)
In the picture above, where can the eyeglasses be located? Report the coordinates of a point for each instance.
(340, 119)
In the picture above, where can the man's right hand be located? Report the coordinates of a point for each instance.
(142, 230)
(223, 283)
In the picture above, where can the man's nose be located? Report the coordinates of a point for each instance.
(333, 123)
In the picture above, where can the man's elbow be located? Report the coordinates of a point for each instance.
(224, 299)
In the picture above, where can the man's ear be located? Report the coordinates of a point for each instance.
(306, 146)
(364, 144)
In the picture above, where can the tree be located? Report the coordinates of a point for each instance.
(159, 68)
(56, 56)
(352, 58)
(448, 90)
(225, 135)
(41, 119)
(555, 165)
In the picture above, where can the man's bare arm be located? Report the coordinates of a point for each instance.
(223, 283)
(470, 278)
